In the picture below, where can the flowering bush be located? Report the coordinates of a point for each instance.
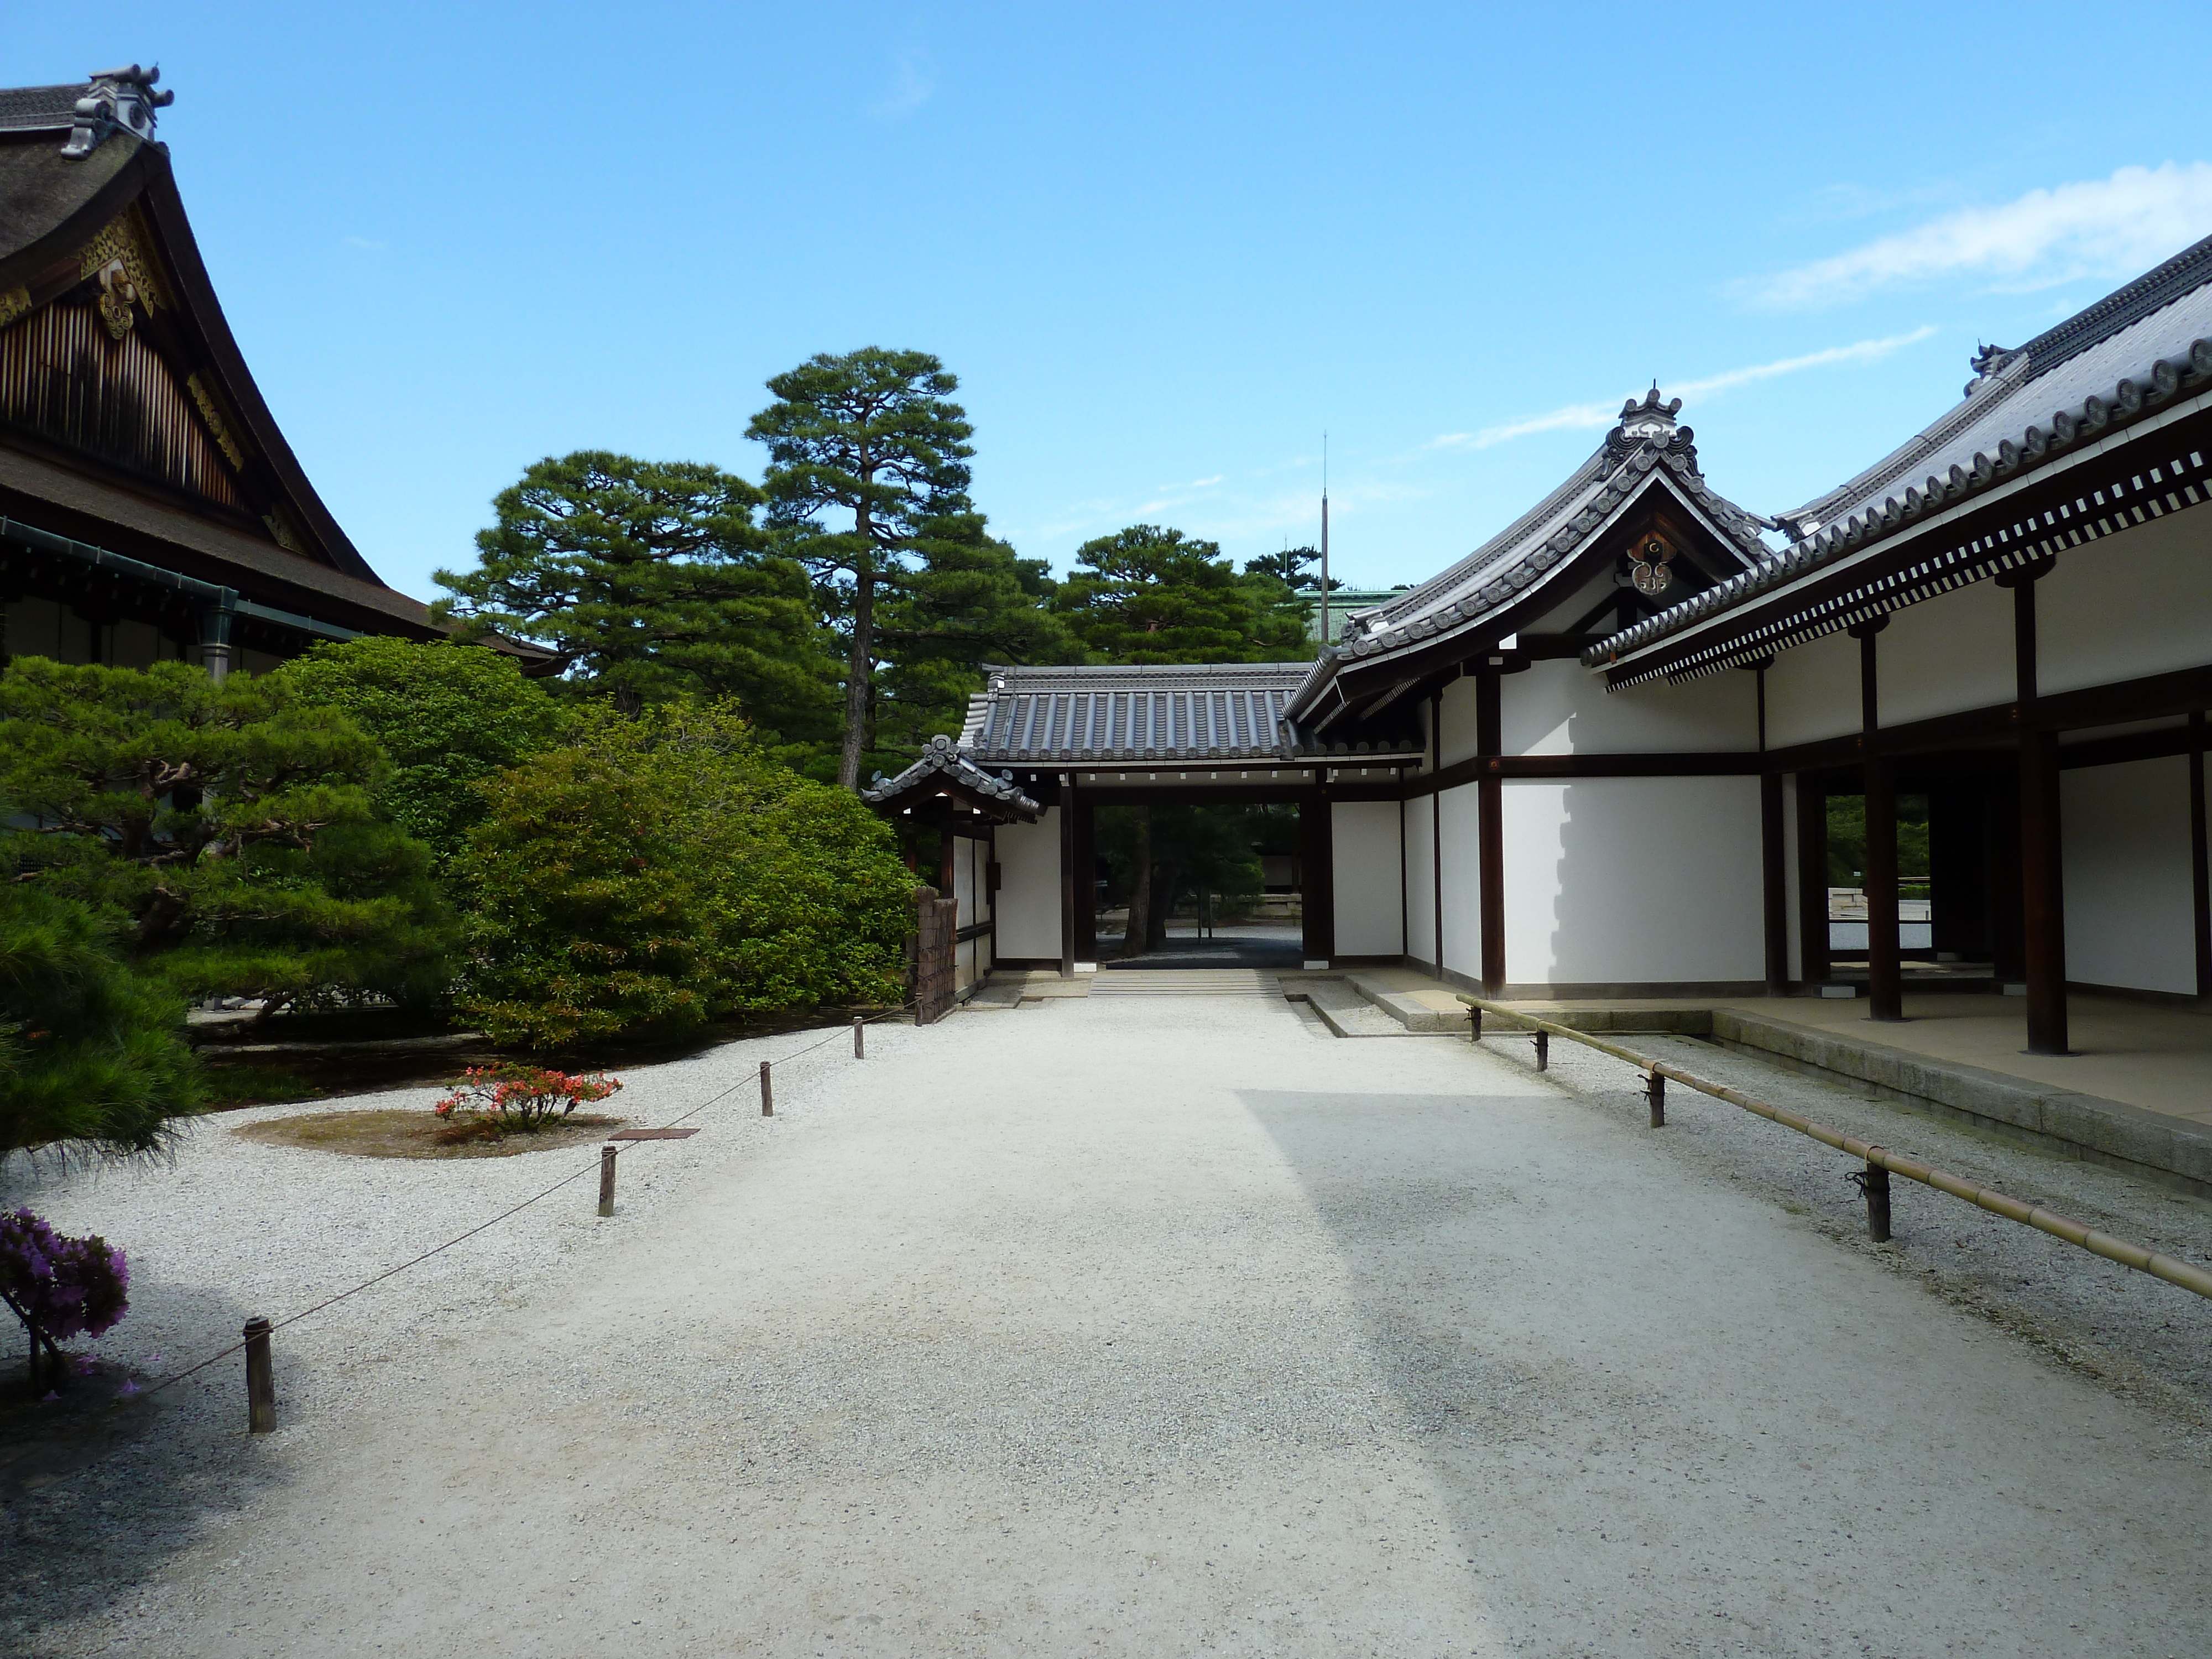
(503, 1098)
(59, 1287)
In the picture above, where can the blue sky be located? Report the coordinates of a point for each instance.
(1164, 248)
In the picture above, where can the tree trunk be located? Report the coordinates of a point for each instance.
(1134, 930)
(859, 677)
(1164, 893)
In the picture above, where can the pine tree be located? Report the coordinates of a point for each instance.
(647, 580)
(867, 453)
(1147, 594)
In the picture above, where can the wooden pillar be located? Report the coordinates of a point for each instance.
(1490, 828)
(1318, 873)
(2042, 863)
(2200, 876)
(1436, 829)
(1087, 882)
(1885, 975)
(1812, 879)
(1067, 875)
(1773, 866)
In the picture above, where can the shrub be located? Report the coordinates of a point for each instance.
(525, 1097)
(659, 873)
(59, 1287)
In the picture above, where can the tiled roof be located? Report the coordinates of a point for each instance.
(941, 760)
(1104, 715)
(2132, 354)
(41, 109)
(1647, 442)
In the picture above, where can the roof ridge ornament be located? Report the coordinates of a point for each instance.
(117, 99)
(1988, 363)
(1646, 424)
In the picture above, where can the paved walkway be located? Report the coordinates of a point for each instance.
(1168, 1327)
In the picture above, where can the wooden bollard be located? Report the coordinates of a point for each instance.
(1874, 1182)
(607, 1155)
(1543, 1050)
(260, 1379)
(1473, 1023)
(1656, 1094)
(768, 1093)
(860, 1049)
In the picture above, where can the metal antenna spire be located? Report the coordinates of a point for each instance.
(1324, 537)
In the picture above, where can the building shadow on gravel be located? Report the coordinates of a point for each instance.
(99, 1495)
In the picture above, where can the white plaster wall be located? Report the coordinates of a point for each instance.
(2135, 603)
(1028, 887)
(1462, 880)
(2128, 903)
(1632, 881)
(1420, 869)
(965, 887)
(1364, 840)
(1812, 691)
(1458, 709)
(1945, 654)
(1561, 707)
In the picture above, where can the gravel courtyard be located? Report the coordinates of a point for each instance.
(1129, 1327)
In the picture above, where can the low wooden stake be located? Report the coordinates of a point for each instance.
(860, 1049)
(607, 1155)
(260, 1379)
(1874, 1182)
(1543, 1050)
(1656, 1094)
(768, 1093)
(1474, 1023)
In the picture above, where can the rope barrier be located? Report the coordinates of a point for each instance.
(2175, 1271)
(565, 1181)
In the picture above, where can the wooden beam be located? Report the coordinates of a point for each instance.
(1317, 877)
(1885, 974)
(2200, 858)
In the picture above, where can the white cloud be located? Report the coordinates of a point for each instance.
(363, 242)
(912, 83)
(1587, 417)
(2107, 227)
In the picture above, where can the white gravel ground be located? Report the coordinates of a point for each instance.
(1136, 1328)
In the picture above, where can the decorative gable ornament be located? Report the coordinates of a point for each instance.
(119, 99)
(1651, 574)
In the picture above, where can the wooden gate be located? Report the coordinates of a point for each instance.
(937, 932)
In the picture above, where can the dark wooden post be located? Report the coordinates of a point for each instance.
(260, 1379)
(1318, 873)
(768, 1093)
(2200, 856)
(607, 1155)
(1885, 975)
(1656, 1096)
(2042, 867)
(1067, 875)
(859, 1046)
(1773, 864)
(1812, 879)
(1087, 882)
(1436, 831)
(1490, 828)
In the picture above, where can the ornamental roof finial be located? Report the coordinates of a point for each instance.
(118, 98)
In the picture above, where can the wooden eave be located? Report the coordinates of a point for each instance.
(939, 797)
(1890, 575)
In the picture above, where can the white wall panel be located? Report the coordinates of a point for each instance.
(1633, 881)
(1028, 887)
(1462, 880)
(1561, 707)
(1364, 838)
(1460, 740)
(1945, 654)
(2125, 832)
(2135, 603)
(1812, 691)
(1420, 869)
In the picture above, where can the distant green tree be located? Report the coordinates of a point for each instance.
(867, 464)
(1847, 839)
(447, 715)
(1157, 856)
(1148, 594)
(651, 875)
(227, 831)
(971, 600)
(646, 580)
(1294, 567)
(92, 1054)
